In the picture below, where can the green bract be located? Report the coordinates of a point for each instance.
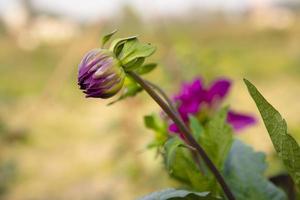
(131, 52)
(107, 37)
(146, 68)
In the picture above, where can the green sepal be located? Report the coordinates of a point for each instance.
(134, 64)
(146, 68)
(107, 37)
(133, 49)
(117, 44)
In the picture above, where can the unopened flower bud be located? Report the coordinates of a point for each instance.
(100, 75)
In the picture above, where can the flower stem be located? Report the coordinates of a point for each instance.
(171, 105)
(164, 95)
(182, 127)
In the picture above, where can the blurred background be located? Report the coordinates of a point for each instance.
(55, 144)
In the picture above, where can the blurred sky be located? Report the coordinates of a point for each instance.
(95, 9)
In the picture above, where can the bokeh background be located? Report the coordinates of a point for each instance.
(55, 144)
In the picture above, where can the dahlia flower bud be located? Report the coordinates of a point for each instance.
(100, 75)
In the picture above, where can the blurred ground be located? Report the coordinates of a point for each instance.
(55, 144)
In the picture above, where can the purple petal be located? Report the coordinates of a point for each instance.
(190, 98)
(217, 91)
(196, 86)
(174, 129)
(188, 108)
(240, 121)
(190, 90)
(90, 63)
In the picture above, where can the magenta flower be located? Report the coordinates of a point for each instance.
(197, 100)
(100, 74)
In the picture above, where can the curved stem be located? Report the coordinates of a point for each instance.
(188, 136)
(171, 105)
(163, 94)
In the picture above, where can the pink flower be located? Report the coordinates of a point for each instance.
(195, 99)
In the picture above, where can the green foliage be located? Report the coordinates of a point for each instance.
(156, 124)
(131, 88)
(196, 127)
(131, 53)
(133, 65)
(244, 171)
(217, 139)
(285, 145)
(107, 37)
(171, 147)
(151, 123)
(186, 167)
(146, 68)
(174, 194)
(134, 50)
(117, 44)
(181, 166)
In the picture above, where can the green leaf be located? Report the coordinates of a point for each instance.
(159, 126)
(244, 171)
(150, 122)
(285, 145)
(107, 37)
(133, 50)
(174, 194)
(196, 127)
(181, 165)
(171, 146)
(217, 139)
(131, 88)
(144, 69)
(117, 44)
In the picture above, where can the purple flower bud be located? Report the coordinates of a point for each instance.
(100, 75)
